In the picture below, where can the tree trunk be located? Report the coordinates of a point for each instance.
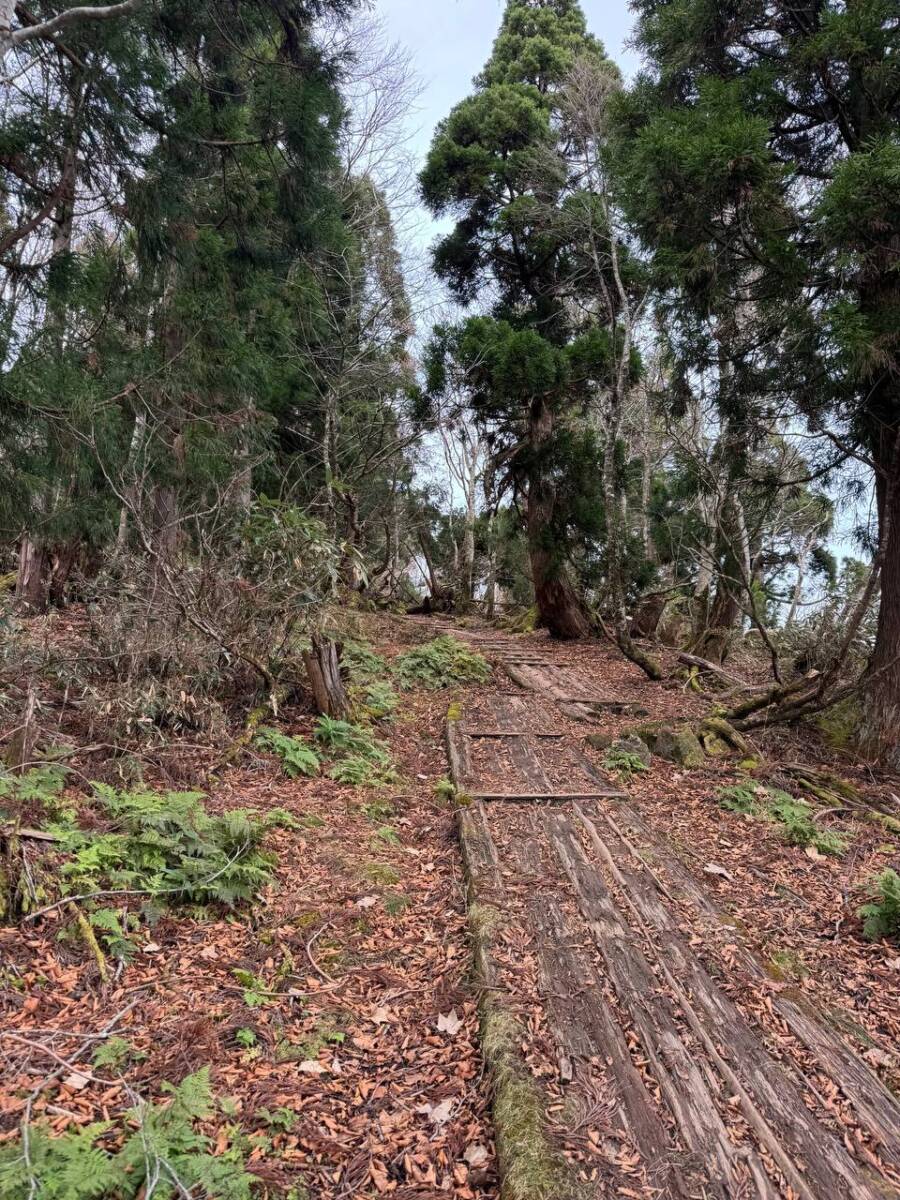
(560, 609)
(323, 666)
(881, 726)
(31, 579)
(64, 559)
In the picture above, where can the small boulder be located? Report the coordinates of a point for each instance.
(599, 741)
(634, 745)
(679, 744)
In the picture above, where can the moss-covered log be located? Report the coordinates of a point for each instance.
(531, 1168)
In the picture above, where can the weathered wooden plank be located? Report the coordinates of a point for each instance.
(876, 1107)
(733, 1171)
(771, 1100)
(560, 797)
(458, 756)
(585, 1028)
(509, 733)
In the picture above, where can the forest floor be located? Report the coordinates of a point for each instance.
(691, 999)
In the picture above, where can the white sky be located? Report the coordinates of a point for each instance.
(450, 40)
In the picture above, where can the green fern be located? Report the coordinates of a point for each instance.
(296, 757)
(442, 663)
(624, 763)
(881, 916)
(361, 663)
(794, 817)
(155, 1143)
(168, 845)
(344, 736)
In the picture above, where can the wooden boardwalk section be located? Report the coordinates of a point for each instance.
(702, 1093)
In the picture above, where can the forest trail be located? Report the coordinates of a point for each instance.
(673, 1061)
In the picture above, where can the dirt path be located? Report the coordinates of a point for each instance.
(669, 1060)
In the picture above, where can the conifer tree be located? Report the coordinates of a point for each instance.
(761, 154)
(498, 164)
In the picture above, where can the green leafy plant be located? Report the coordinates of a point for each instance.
(881, 915)
(167, 845)
(445, 789)
(245, 1037)
(159, 1147)
(361, 662)
(256, 994)
(297, 758)
(380, 701)
(364, 771)
(115, 1054)
(624, 763)
(40, 787)
(442, 663)
(344, 737)
(378, 810)
(388, 835)
(794, 817)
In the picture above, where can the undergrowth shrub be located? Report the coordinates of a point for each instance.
(361, 663)
(154, 1148)
(297, 758)
(795, 818)
(164, 847)
(39, 790)
(881, 915)
(441, 663)
(379, 700)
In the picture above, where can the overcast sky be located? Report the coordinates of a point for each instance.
(450, 41)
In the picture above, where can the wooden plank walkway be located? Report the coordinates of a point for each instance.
(702, 1096)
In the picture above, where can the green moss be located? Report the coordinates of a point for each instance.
(381, 873)
(840, 724)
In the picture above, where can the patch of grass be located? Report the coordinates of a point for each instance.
(312, 821)
(442, 663)
(380, 873)
(881, 915)
(386, 834)
(396, 904)
(378, 810)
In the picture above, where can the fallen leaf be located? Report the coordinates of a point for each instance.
(311, 1067)
(367, 902)
(449, 1023)
(76, 1081)
(714, 869)
(476, 1155)
(438, 1114)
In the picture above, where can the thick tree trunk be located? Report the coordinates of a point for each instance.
(881, 729)
(323, 666)
(31, 578)
(560, 609)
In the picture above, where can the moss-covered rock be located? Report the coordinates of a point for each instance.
(635, 746)
(679, 744)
